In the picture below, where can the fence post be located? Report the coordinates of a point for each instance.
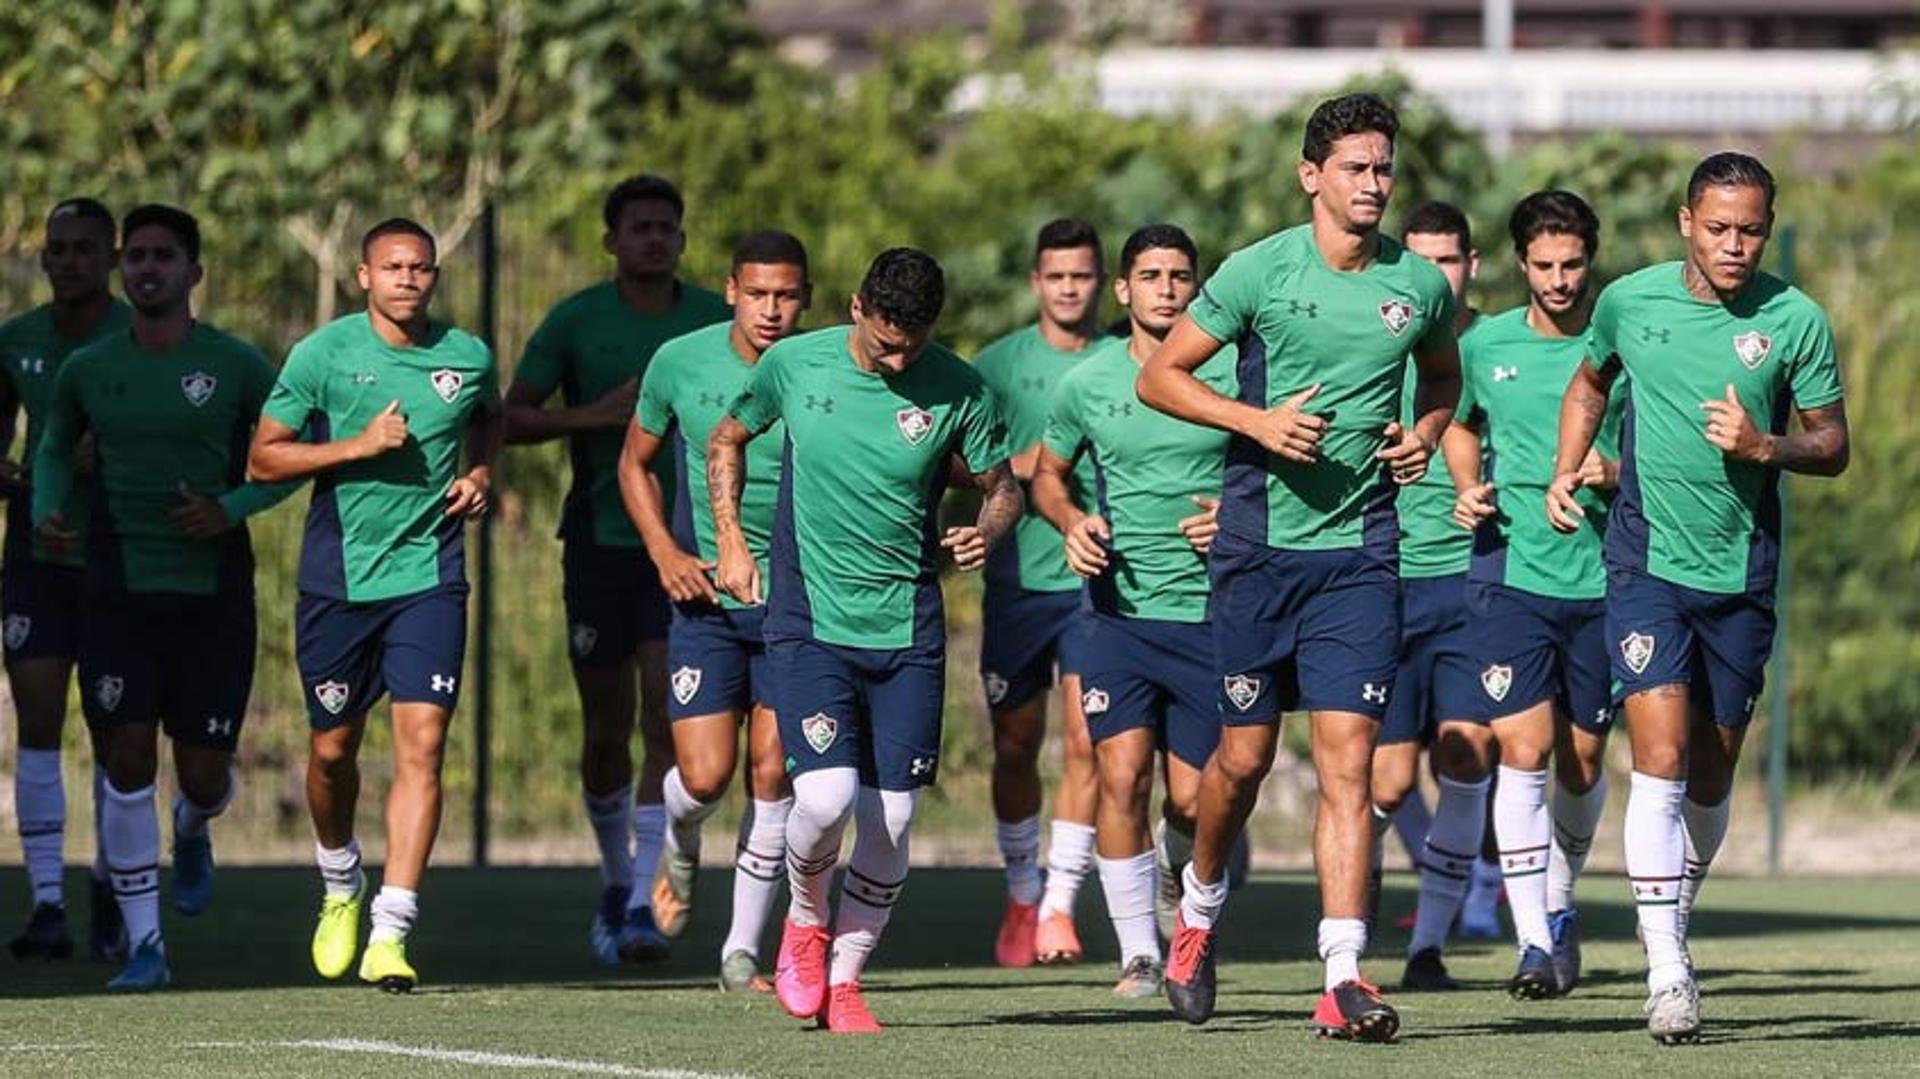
(483, 592)
(1777, 713)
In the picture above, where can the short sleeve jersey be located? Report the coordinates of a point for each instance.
(1512, 382)
(1431, 545)
(692, 380)
(160, 421)
(1685, 512)
(590, 343)
(32, 349)
(377, 529)
(1148, 467)
(1298, 323)
(1022, 370)
(855, 534)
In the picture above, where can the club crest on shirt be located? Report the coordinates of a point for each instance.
(1242, 690)
(198, 387)
(1752, 348)
(820, 729)
(107, 689)
(447, 383)
(18, 628)
(332, 696)
(686, 683)
(583, 638)
(1637, 650)
(1095, 702)
(915, 424)
(1496, 680)
(1397, 314)
(996, 687)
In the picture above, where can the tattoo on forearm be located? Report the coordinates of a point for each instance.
(724, 483)
(1821, 449)
(1001, 506)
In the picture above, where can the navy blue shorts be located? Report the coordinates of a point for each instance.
(1529, 649)
(1313, 630)
(185, 662)
(1024, 636)
(873, 709)
(1661, 634)
(1436, 679)
(1152, 674)
(352, 654)
(614, 602)
(716, 661)
(42, 603)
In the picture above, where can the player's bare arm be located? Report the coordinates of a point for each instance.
(1000, 507)
(1167, 383)
(1822, 447)
(277, 454)
(467, 497)
(529, 420)
(1085, 533)
(1436, 393)
(684, 576)
(1473, 500)
(735, 571)
(1582, 409)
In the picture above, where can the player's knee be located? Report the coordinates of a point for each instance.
(889, 812)
(769, 779)
(1016, 739)
(825, 797)
(132, 763)
(707, 783)
(1574, 775)
(1129, 788)
(1240, 763)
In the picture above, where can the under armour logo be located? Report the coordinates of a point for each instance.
(1116, 409)
(441, 683)
(1303, 307)
(921, 766)
(819, 404)
(1373, 692)
(713, 400)
(1032, 385)
(219, 727)
(1505, 374)
(1650, 334)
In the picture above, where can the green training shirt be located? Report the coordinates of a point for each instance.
(1686, 512)
(1431, 545)
(1298, 322)
(1147, 466)
(692, 380)
(1022, 370)
(378, 529)
(856, 534)
(587, 345)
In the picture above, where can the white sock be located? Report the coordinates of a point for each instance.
(1656, 855)
(1412, 821)
(649, 836)
(1706, 827)
(339, 869)
(1200, 903)
(1020, 849)
(1129, 885)
(610, 816)
(875, 875)
(1520, 826)
(190, 819)
(757, 862)
(1069, 856)
(1575, 817)
(99, 867)
(394, 911)
(685, 815)
(40, 807)
(822, 802)
(1341, 942)
(1451, 848)
(130, 826)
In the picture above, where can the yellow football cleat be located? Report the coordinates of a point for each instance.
(337, 937)
(385, 964)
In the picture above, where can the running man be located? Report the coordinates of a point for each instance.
(1716, 353)
(387, 400)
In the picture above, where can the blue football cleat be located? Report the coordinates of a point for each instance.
(640, 940)
(146, 969)
(1565, 925)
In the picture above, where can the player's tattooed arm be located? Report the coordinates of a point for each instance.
(1822, 448)
(1582, 409)
(1000, 507)
(735, 571)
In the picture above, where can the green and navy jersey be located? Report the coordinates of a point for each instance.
(1022, 370)
(856, 533)
(1512, 381)
(1299, 322)
(1431, 545)
(378, 529)
(160, 421)
(1686, 512)
(590, 343)
(1147, 469)
(692, 380)
(32, 348)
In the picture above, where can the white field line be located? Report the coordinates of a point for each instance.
(473, 1057)
(76, 1047)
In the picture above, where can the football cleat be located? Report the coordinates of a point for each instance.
(640, 939)
(336, 939)
(1673, 1013)
(192, 873)
(1427, 973)
(1565, 925)
(608, 920)
(1354, 1010)
(1054, 940)
(45, 936)
(1534, 978)
(846, 1011)
(106, 931)
(673, 893)
(385, 964)
(740, 973)
(1014, 946)
(146, 969)
(800, 971)
(1189, 974)
(1141, 979)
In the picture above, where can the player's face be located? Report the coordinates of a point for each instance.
(767, 300)
(1067, 280)
(889, 347)
(1157, 288)
(648, 240)
(1457, 263)
(1353, 184)
(78, 258)
(156, 271)
(1557, 271)
(399, 276)
(1726, 232)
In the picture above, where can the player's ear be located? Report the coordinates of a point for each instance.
(806, 296)
(199, 272)
(733, 292)
(606, 241)
(1473, 263)
(1309, 178)
(1686, 221)
(1122, 293)
(364, 276)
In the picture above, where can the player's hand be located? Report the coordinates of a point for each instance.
(1289, 431)
(737, 574)
(467, 497)
(1406, 454)
(56, 536)
(86, 454)
(1473, 505)
(1563, 512)
(968, 546)
(615, 407)
(1087, 545)
(13, 479)
(200, 517)
(1599, 473)
(1730, 428)
(685, 577)
(1203, 526)
(384, 432)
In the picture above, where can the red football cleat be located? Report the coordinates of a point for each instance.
(846, 1011)
(1353, 1009)
(1014, 947)
(800, 972)
(1055, 941)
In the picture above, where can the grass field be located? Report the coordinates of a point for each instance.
(1802, 977)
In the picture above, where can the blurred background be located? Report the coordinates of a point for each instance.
(960, 126)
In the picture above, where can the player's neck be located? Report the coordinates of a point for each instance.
(1074, 338)
(1572, 323)
(650, 294)
(1702, 289)
(1142, 343)
(409, 334)
(78, 318)
(1343, 248)
(743, 346)
(1464, 318)
(163, 332)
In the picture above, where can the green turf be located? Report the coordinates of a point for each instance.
(1805, 977)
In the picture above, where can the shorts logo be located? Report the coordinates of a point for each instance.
(1095, 702)
(922, 767)
(1398, 315)
(332, 696)
(584, 638)
(820, 730)
(18, 628)
(219, 728)
(442, 683)
(447, 383)
(915, 424)
(1496, 680)
(1752, 348)
(1637, 650)
(686, 683)
(1373, 692)
(107, 689)
(198, 387)
(996, 687)
(1242, 690)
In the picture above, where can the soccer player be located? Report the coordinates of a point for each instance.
(594, 347)
(1714, 351)
(169, 634)
(1032, 618)
(1306, 608)
(40, 595)
(715, 645)
(387, 400)
(1148, 673)
(1536, 597)
(875, 416)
